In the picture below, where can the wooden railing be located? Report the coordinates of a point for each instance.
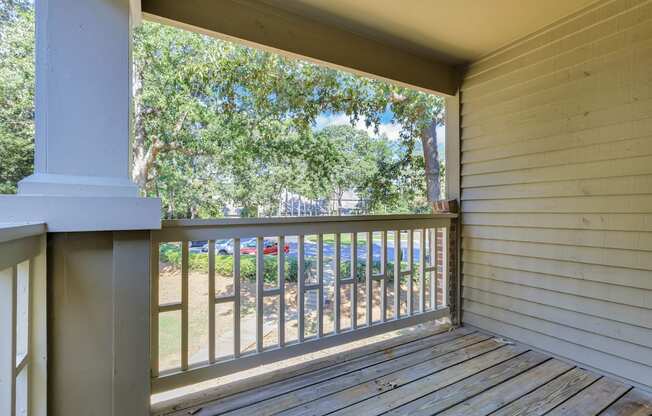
(22, 320)
(239, 293)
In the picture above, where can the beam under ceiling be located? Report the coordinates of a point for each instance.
(262, 25)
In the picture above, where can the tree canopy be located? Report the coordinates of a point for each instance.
(16, 94)
(218, 123)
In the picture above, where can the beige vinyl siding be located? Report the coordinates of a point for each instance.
(556, 153)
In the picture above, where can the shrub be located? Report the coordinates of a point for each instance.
(361, 270)
(170, 255)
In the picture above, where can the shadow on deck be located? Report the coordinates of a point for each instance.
(461, 372)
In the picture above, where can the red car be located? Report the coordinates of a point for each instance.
(269, 247)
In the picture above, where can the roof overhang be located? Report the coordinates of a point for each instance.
(420, 43)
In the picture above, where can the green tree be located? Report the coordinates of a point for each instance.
(218, 123)
(16, 94)
(253, 111)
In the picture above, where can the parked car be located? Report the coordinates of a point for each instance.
(269, 247)
(222, 247)
(247, 246)
(197, 246)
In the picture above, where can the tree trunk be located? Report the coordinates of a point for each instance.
(431, 159)
(141, 155)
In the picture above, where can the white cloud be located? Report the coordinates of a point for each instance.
(390, 129)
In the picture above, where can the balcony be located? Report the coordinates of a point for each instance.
(534, 297)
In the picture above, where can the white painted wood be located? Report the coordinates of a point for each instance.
(338, 277)
(184, 304)
(192, 230)
(273, 28)
(422, 270)
(354, 279)
(198, 371)
(369, 278)
(7, 341)
(260, 287)
(38, 353)
(384, 272)
(131, 370)
(320, 283)
(70, 79)
(154, 310)
(301, 282)
(410, 289)
(82, 163)
(281, 287)
(452, 122)
(236, 293)
(398, 251)
(211, 301)
(104, 213)
(10, 232)
(203, 371)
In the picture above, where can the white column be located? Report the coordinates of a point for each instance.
(82, 99)
(81, 180)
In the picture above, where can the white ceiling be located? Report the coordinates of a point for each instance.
(456, 31)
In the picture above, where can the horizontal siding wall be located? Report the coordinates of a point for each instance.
(557, 190)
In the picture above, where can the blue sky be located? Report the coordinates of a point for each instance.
(387, 127)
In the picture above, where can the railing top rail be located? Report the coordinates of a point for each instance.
(299, 220)
(14, 231)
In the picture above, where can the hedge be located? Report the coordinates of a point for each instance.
(171, 254)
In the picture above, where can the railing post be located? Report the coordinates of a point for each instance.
(260, 287)
(301, 270)
(211, 301)
(8, 341)
(281, 288)
(398, 254)
(454, 276)
(184, 304)
(338, 277)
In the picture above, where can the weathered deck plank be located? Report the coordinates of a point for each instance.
(502, 364)
(315, 389)
(634, 403)
(463, 373)
(510, 390)
(549, 396)
(444, 370)
(593, 399)
(265, 391)
(448, 397)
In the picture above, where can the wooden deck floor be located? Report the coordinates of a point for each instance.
(457, 373)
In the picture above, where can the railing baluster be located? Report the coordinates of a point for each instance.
(300, 287)
(369, 271)
(211, 301)
(397, 274)
(260, 286)
(422, 271)
(354, 277)
(236, 297)
(433, 263)
(154, 313)
(338, 300)
(410, 289)
(281, 287)
(8, 328)
(184, 305)
(444, 267)
(320, 282)
(385, 272)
